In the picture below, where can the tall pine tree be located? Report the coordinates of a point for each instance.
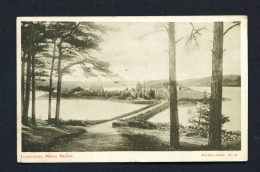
(74, 38)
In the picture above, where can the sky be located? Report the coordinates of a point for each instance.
(147, 59)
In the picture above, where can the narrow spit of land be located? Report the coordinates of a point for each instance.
(103, 137)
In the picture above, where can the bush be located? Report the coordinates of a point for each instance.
(77, 89)
(152, 94)
(141, 124)
(70, 93)
(201, 120)
(162, 126)
(119, 124)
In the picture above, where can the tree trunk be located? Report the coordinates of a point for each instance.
(50, 89)
(174, 119)
(28, 84)
(200, 115)
(22, 79)
(216, 88)
(57, 115)
(33, 78)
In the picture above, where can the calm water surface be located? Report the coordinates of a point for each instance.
(84, 109)
(102, 109)
(230, 108)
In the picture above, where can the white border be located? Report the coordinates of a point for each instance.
(145, 156)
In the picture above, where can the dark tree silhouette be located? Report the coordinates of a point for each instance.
(216, 85)
(74, 41)
(27, 42)
(174, 119)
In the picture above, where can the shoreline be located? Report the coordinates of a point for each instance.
(155, 133)
(138, 101)
(183, 96)
(122, 100)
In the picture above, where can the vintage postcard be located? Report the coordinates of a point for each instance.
(132, 89)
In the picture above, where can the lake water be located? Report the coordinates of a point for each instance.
(84, 109)
(102, 109)
(230, 108)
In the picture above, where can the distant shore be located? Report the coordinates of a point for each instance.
(133, 101)
(188, 97)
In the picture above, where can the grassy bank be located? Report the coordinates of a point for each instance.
(190, 138)
(43, 137)
(231, 140)
(74, 122)
(160, 140)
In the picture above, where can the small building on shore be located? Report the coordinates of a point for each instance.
(54, 92)
(77, 93)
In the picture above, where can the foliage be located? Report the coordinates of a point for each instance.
(74, 42)
(201, 120)
(43, 87)
(138, 86)
(152, 93)
(36, 45)
(77, 89)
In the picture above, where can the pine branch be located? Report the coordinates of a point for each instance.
(237, 23)
(179, 40)
(75, 63)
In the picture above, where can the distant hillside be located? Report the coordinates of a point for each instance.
(158, 83)
(228, 81)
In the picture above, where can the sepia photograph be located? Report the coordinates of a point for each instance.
(132, 89)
